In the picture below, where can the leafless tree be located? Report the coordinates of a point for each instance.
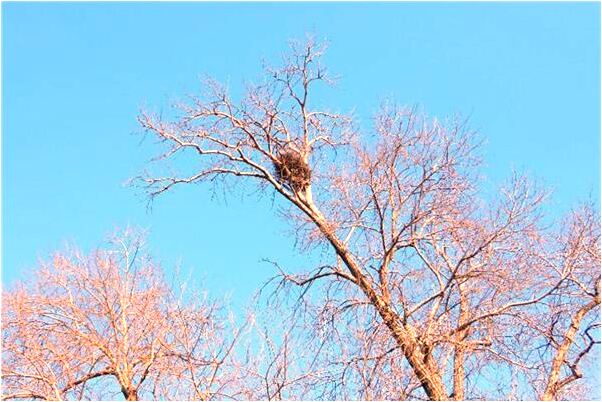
(93, 327)
(445, 291)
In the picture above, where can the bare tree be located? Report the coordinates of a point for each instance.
(462, 287)
(573, 328)
(93, 327)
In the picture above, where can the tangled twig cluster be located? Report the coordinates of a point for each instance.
(292, 170)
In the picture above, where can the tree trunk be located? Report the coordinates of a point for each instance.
(404, 335)
(459, 373)
(554, 381)
(460, 350)
(129, 394)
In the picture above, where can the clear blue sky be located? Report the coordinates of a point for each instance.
(76, 74)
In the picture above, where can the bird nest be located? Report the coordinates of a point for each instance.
(291, 169)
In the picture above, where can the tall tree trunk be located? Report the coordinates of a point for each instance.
(459, 373)
(404, 335)
(406, 339)
(460, 351)
(555, 383)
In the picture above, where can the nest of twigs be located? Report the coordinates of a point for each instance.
(291, 169)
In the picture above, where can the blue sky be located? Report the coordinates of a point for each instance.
(76, 74)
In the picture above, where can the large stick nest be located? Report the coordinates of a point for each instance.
(291, 169)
